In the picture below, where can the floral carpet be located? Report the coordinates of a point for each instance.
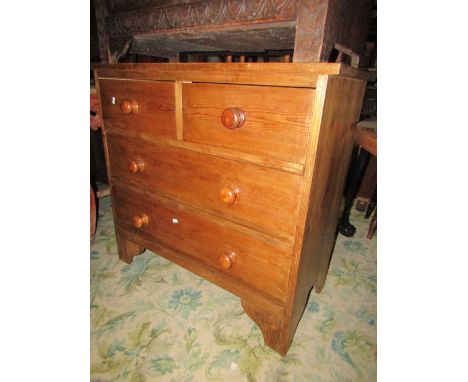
(154, 321)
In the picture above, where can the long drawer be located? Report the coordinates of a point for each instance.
(258, 261)
(255, 196)
(144, 107)
(265, 120)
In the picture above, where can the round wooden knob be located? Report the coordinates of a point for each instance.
(232, 118)
(140, 220)
(227, 260)
(127, 106)
(228, 195)
(135, 166)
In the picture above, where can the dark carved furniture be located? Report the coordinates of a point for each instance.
(233, 171)
(164, 28)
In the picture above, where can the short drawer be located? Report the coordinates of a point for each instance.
(145, 107)
(264, 120)
(254, 260)
(258, 197)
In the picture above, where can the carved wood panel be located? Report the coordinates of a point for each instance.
(319, 24)
(209, 12)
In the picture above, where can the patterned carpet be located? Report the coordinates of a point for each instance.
(154, 321)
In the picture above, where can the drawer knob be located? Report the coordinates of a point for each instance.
(232, 118)
(228, 195)
(227, 260)
(135, 166)
(140, 220)
(128, 107)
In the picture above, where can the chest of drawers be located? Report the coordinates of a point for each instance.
(233, 171)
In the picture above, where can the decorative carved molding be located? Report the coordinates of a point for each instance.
(310, 30)
(101, 26)
(348, 25)
(115, 6)
(208, 12)
(322, 23)
(257, 37)
(160, 27)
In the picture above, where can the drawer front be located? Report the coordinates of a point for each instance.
(269, 121)
(256, 261)
(258, 197)
(146, 107)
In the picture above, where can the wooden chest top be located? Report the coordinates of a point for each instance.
(234, 171)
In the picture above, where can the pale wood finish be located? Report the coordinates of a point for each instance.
(155, 116)
(259, 263)
(199, 178)
(178, 109)
(336, 112)
(274, 74)
(340, 112)
(265, 161)
(263, 301)
(268, 122)
(246, 219)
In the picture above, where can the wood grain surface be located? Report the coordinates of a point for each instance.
(267, 200)
(259, 262)
(274, 74)
(262, 160)
(336, 112)
(272, 126)
(366, 138)
(155, 115)
(263, 302)
(253, 207)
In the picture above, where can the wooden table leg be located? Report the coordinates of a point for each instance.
(368, 185)
(372, 226)
(372, 205)
(357, 172)
(93, 216)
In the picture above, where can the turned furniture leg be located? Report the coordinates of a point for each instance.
(372, 205)
(93, 214)
(357, 171)
(372, 226)
(128, 249)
